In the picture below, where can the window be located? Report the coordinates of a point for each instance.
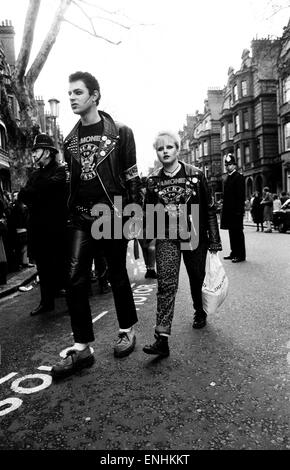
(244, 88)
(193, 159)
(200, 150)
(231, 130)
(258, 148)
(246, 120)
(227, 103)
(186, 144)
(223, 133)
(286, 89)
(247, 153)
(235, 93)
(237, 123)
(197, 152)
(287, 136)
(205, 148)
(239, 162)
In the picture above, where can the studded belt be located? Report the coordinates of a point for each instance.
(83, 209)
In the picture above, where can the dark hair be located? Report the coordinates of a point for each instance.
(89, 80)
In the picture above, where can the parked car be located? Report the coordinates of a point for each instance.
(281, 218)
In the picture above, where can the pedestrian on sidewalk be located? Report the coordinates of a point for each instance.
(233, 210)
(101, 157)
(267, 204)
(44, 195)
(175, 186)
(257, 211)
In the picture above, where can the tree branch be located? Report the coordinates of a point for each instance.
(27, 39)
(112, 21)
(92, 34)
(278, 9)
(99, 8)
(86, 15)
(99, 17)
(48, 43)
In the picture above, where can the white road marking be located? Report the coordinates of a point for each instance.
(13, 402)
(100, 315)
(46, 382)
(47, 368)
(7, 377)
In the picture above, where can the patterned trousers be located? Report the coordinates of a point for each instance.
(168, 257)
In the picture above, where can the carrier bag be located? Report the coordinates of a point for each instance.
(215, 284)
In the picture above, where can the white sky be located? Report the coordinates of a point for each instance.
(161, 71)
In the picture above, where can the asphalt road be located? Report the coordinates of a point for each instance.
(223, 387)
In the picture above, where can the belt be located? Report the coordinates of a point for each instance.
(83, 209)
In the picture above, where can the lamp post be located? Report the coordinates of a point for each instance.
(54, 113)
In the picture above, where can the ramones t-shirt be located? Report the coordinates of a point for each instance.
(173, 194)
(90, 189)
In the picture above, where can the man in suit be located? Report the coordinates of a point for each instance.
(233, 210)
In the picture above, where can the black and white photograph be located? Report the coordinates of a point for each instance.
(144, 230)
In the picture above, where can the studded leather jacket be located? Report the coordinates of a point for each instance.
(116, 162)
(197, 193)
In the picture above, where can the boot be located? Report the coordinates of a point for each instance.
(160, 347)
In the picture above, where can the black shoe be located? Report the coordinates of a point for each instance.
(199, 321)
(151, 273)
(104, 286)
(228, 257)
(42, 309)
(74, 361)
(160, 347)
(238, 260)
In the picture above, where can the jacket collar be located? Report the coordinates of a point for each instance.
(108, 140)
(190, 170)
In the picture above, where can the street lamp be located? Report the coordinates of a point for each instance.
(54, 113)
(54, 107)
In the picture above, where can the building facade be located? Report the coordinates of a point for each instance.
(7, 63)
(200, 139)
(283, 100)
(249, 122)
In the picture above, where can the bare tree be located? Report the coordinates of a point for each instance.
(22, 80)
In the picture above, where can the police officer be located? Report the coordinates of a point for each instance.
(44, 195)
(233, 210)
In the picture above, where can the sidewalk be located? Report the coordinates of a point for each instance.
(16, 280)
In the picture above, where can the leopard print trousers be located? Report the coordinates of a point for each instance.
(168, 258)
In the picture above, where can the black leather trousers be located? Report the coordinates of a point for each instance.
(82, 247)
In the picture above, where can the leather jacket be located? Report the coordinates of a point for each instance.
(198, 193)
(116, 162)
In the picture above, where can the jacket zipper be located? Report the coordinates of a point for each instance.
(106, 192)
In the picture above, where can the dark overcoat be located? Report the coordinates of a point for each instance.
(233, 201)
(45, 196)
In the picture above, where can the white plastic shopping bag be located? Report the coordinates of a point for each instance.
(215, 284)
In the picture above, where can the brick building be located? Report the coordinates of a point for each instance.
(249, 125)
(200, 139)
(283, 107)
(7, 63)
